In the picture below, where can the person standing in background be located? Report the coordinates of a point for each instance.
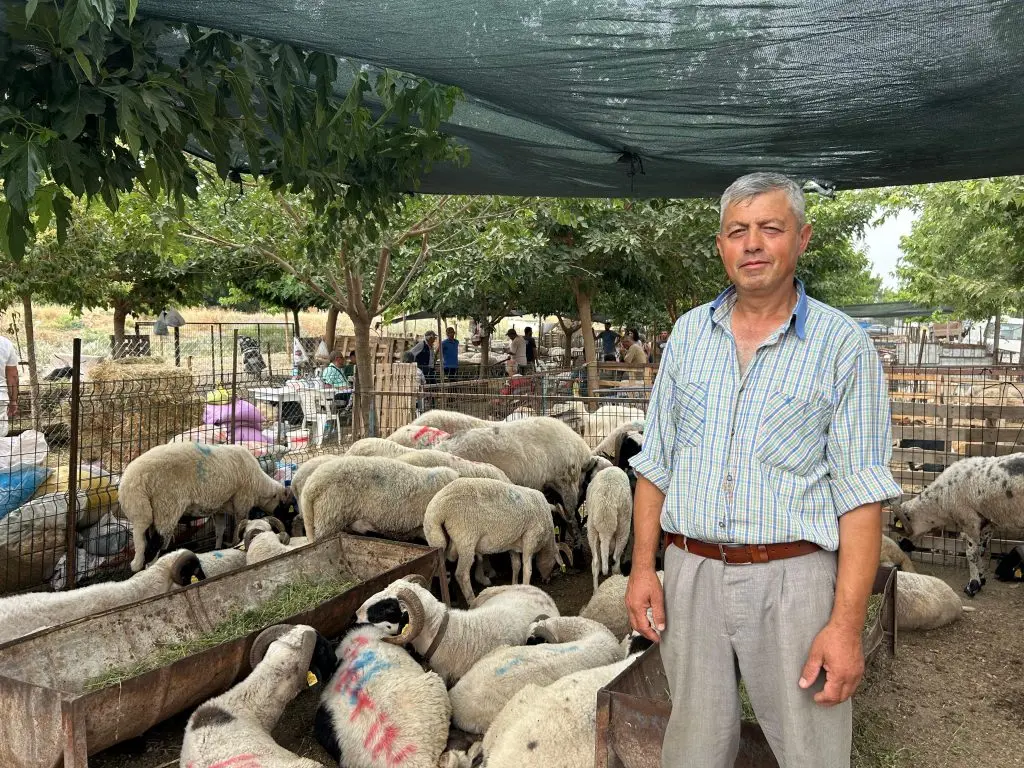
(531, 349)
(9, 388)
(608, 337)
(517, 349)
(450, 354)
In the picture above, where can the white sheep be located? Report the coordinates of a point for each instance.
(268, 523)
(369, 495)
(925, 602)
(622, 444)
(972, 496)
(451, 422)
(221, 561)
(482, 516)
(263, 545)
(234, 729)
(306, 469)
(416, 436)
(168, 482)
(376, 446)
(381, 708)
(22, 614)
(453, 640)
(609, 515)
(892, 554)
(568, 644)
(464, 467)
(597, 426)
(520, 413)
(550, 725)
(540, 453)
(608, 604)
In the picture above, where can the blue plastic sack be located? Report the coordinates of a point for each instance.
(18, 483)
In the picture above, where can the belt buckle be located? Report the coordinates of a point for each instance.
(722, 549)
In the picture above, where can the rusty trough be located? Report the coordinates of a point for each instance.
(633, 709)
(46, 718)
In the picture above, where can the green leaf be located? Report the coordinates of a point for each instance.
(131, 6)
(24, 167)
(74, 22)
(84, 63)
(30, 9)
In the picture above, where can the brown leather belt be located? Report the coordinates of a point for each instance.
(741, 554)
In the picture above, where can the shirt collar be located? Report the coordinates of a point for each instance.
(727, 300)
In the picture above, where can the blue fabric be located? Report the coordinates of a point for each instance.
(17, 485)
(450, 353)
(799, 311)
(777, 454)
(608, 339)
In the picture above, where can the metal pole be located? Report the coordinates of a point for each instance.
(213, 352)
(234, 385)
(177, 347)
(71, 560)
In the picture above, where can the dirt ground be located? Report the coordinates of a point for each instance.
(952, 697)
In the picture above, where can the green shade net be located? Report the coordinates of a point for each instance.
(677, 97)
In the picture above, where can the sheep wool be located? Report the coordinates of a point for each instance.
(597, 426)
(609, 515)
(925, 602)
(569, 644)
(608, 605)
(233, 729)
(892, 554)
(451, 422)
(309, 466)
(168, 482)
(415, 436)
(23, 614)
(364, 495)
(381, 709)
(221, 561)
(464, 467)
(265, 545)
(378, 447)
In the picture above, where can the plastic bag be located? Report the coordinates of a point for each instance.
(322, 352)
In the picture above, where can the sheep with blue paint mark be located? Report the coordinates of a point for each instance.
(556, 647)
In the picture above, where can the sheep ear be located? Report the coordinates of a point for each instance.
(263, 641)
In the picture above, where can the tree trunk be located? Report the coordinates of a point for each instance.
(33, 371)
(295, 322)
(364, 408)
(587, 332)
(995, 340)
(485, 350)
(567, 331)
(332, 328)
(120, 316)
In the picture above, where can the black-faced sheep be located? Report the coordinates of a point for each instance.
(481, 516)
(168, 482)
(381, 708)
(22, 614)
(973, 496)
(369, 495)
(233, 729)
(450, 640)
(609, 517)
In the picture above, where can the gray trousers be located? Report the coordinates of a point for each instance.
(756, 622)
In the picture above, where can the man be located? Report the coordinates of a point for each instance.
(517, 350)
(350, 368)
(422, 353)
(608, 337)
(633, 352)
(450, 354)
(334, 377)
(9, 387)
(767, 444)
(531, 349)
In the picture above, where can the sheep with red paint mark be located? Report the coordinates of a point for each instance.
(381, 710)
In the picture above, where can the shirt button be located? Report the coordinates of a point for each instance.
(721, 525)
(729, 478)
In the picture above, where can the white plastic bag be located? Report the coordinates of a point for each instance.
(27, 448)
(322, 352)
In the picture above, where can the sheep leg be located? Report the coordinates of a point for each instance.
(620, 547)
(480, 572)
(595, 567)
(462, 574)
(516, 563)
(527, 567)
(973, 561)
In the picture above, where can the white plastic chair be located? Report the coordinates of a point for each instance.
(315, 412)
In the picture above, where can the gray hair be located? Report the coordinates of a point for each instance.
(754, 184)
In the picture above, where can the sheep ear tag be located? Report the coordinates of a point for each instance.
(311, 679)
(898, 525)
(195, 580)
(1018, 573)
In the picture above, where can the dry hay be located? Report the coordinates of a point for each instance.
(130, 405)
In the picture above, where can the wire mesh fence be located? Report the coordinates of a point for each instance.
(80, 433)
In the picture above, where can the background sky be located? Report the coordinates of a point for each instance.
(883, 246)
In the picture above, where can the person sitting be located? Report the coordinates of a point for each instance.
(350, 368)
(633, 352)
(334, 377)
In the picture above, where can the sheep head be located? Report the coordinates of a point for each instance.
(185, 568)
(915, 520)
(414, 610)
(550, 556)
(541, 632)
(248, 529)
(296, 653)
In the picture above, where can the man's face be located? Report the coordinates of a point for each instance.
(450, 334)
(760, 242)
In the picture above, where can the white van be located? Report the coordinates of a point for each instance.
(1010, 331)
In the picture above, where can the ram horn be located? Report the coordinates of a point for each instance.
(263, 641)
(276, 524)
(418, 580)
(563, 548)
(186, 569)
(414, 608)
(544, 633)
(240, 530)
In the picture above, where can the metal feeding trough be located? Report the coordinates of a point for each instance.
(48, 719)
(633, 709)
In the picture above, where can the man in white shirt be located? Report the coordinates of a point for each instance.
(8, 404)
(517, 349)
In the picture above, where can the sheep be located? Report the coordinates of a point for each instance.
(483, 516)
(415, 436)
(306, 468)
(464, 467)
(540, 453)
(570, 644)
(221, 561)
(452, 640)
(925, 602)
(259, 525)
(622, 444)
(597, 426)
(22, 614)
(381, 707)
(972, 496)
(609, 514)
(891, 553)
(364, 494)
(263, 546)
(451, 422)
(523, 412)
(608, 604)
(550, 725)
(375, 446)
(168, 482)
(234, 728)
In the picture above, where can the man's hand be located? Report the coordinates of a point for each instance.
(837, 650)
(12, 409)
(645, 591)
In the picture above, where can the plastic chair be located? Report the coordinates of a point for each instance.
(316, 412)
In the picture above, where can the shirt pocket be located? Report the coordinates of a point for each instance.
(792, 432)
(690, 414)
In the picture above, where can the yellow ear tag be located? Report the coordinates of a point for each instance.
(583, 512)
(1017, 574)
(311, 679)
(563, 568)
(195, 579)
(898, 525)
(556, 530)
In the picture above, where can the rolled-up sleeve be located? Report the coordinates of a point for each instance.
(860, 436)
(654, 462)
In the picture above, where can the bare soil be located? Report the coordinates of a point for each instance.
(952, 697)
